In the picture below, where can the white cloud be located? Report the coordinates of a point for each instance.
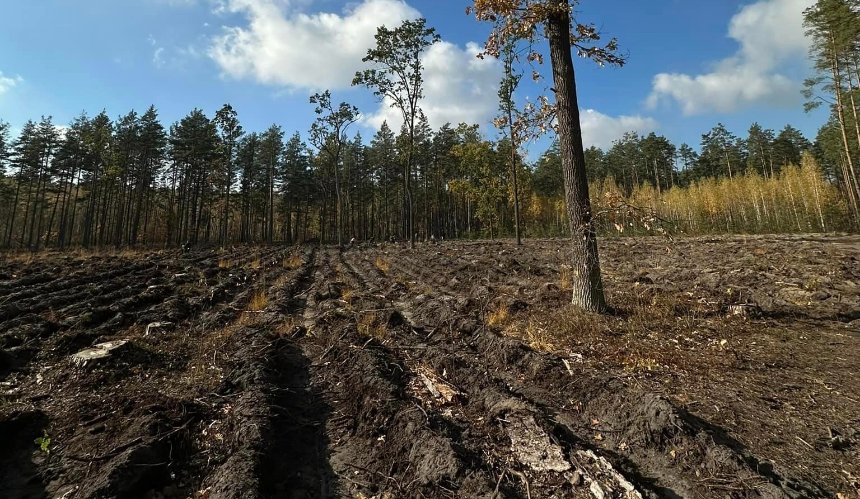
(172, 57)
(601, 130)
(158, 57)
(8, 82)
(283, 46)
(458, 88)
(770, 34)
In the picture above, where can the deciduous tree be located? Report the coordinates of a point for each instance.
(522, 19)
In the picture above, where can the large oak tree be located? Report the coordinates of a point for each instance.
(524, 20)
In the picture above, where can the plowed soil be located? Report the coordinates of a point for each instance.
(727, 368)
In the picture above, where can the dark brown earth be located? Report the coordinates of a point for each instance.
(728, 368)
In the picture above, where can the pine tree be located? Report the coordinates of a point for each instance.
(398, 80)
(760, 150)
(229, 132)
(834, 27)
(722, 154)
(295, 185)
(194, 152)
(327, 135)
(383, 161)
(270, 151)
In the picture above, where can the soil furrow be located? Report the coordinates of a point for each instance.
(451, 370)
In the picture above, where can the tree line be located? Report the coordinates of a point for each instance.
(205, 180)
(133, 181)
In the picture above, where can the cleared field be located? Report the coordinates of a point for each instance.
(728, 368)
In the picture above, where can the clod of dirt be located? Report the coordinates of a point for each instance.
(139, 466)
(97, 352)
(433, 457)
(532, 446)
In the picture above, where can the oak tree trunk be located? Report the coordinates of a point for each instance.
(587, 283)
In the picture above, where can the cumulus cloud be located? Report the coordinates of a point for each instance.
(283, 46)
(601, 130)
(770, 35)
(8, 82)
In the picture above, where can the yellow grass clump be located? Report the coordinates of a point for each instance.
(538, 336)
(293, 261)
(372, 325)
(565, 278)
(259, 300)
(499, 317)
(382, 264)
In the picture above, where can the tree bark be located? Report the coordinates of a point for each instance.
(587, 283)
(410, 216)
(514, 175)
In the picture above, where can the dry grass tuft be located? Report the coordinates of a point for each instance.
(565, 278)
(293, 261)
(347, 295)
(22, 258)
(225, 263)
(557, 330)
(287, 326)
(382, 264)
(373, 325)
(130, 253)
(259, 300)
(255, 264)
(282, 281)
(50, 315)
(637, 363)
(500, 317)
(539, 336)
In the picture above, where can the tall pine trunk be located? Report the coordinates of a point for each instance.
(840, 115)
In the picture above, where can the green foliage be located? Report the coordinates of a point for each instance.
(397, 57)
(328, 136)
(485, 179)
(44, 443)
(397, 76)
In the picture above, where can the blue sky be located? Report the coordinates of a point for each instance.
(692, 63)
